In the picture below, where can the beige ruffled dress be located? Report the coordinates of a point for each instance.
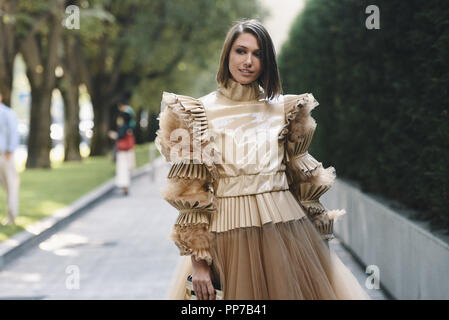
(247, 192)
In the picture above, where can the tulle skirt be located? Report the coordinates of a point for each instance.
(286, 260)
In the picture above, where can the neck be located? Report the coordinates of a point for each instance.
(234, 90)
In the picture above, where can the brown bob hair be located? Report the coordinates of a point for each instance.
(269, 79)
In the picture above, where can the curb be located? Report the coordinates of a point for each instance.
(17, 244)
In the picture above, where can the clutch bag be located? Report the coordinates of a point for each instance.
(190, 293)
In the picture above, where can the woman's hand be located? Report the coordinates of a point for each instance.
(113, 135)
(201, 280)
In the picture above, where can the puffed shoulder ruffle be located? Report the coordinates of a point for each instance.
(297, 110)
(187, 113)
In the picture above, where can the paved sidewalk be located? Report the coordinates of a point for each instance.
(357, 270)
(117, 249)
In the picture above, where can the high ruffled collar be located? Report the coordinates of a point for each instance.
(241, 92)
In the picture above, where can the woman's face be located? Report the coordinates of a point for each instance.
(245, 56)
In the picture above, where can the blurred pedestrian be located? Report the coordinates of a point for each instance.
(125, 157)
(123, 107)
(9, 178)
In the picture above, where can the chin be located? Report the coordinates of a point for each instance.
(245, 81)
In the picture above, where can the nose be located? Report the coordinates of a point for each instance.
(249, 60)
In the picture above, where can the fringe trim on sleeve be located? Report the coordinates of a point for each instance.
(193, 240)
(298, 118)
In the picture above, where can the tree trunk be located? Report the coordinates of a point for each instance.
(100, 144)
(6, 74)
(6, 87)
(139, 131)
(153, 126)
(69, 87)
(8, 49)
(72, 139)
(105, 109)
(41, 65)
(39, 141)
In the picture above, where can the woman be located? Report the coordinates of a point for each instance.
(250, 218)
(125, 158)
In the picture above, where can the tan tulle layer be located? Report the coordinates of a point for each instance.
(278, 261)
(255, 210)
(281, 261)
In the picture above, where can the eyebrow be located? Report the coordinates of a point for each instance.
(239, 45)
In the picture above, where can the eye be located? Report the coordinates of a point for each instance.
(258, 54)
(240, 51)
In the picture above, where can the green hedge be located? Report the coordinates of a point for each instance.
(383, 118)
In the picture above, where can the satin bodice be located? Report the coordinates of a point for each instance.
(245, 128)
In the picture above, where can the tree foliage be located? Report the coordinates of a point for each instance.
(383, 118)
(145, 42)
(123, 50)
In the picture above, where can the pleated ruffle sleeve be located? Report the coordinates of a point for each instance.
(182, 140)
(307, 178)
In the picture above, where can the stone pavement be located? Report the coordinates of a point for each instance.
(118, 249)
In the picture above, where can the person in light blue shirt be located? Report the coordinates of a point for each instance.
(9, 178)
